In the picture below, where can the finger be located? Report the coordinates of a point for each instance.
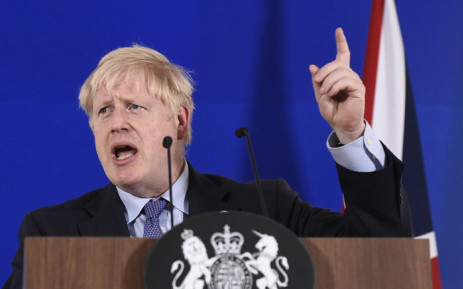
(316, 84)
(313, 69)
(335, 76)
(352, 87)
(326, 70)
(342, 47)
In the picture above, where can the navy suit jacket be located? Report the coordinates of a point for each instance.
(376, 205)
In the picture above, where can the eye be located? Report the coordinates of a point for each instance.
(134, 107)
(104, 110)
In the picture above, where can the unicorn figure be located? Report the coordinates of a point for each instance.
(261, 261)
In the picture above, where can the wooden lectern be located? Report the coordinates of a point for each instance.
(118, 263)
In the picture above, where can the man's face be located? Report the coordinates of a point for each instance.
(129, 126)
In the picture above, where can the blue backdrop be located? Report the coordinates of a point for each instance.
(250, 63)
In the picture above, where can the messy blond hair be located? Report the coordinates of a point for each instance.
(164, 80)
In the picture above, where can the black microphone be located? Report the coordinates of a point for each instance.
(167, 143)
(243, 131)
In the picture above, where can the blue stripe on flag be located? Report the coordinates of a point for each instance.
(414, 178)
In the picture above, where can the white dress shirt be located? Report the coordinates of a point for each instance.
(134, 206)
(366, 154)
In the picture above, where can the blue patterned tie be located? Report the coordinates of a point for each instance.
(152, 211)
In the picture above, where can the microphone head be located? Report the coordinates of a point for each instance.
(242, 131)
(167, 142)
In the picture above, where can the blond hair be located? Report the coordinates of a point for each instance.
(165, 80)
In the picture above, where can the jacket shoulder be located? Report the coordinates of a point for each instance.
(63, 219)
(76, 203)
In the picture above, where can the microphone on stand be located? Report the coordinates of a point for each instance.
(167, 143)
(243, 131)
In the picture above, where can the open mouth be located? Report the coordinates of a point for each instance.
(124, 152)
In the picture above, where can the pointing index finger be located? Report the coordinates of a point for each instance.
(342, 47)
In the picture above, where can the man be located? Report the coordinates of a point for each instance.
(136, 97)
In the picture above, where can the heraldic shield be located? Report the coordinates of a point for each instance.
(232, 250)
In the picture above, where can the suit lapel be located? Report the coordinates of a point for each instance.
(204, 195)
(107, 215)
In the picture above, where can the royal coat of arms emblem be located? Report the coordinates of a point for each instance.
(233, 250)
(229, 268)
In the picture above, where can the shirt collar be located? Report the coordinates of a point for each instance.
(134, 205)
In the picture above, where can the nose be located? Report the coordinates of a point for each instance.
(119, 121)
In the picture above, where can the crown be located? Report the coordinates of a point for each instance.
(187, 234)
(227, 243)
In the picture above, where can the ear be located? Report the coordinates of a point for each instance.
(183, 118)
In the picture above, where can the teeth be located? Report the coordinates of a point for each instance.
(124, 156)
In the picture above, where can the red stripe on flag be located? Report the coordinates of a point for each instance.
(372, 55)
(436, 280)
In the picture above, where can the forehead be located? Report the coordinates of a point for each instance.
(127, 85)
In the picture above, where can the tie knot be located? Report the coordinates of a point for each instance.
(154, 208)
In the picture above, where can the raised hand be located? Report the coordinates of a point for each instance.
(340, 93)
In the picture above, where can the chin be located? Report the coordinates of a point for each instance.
(125, 182)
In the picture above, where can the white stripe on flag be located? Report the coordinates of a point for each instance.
(431, 236)
(389, 106)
